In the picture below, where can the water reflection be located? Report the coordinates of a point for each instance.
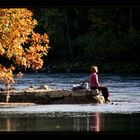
(50, 122)
(8, 124)
(94, 122)
(90, 123)
(70, 122)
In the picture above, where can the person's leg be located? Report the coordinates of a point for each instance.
(105, 92)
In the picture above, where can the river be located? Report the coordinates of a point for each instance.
(122, 115)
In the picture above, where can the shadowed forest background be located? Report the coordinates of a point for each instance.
(80, 37)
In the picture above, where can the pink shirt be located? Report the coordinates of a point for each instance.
(93, 80)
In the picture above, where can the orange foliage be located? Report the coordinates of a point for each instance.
(6, 75)
(16, 32)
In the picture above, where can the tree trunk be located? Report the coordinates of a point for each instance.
(68, 34)
(8, 94)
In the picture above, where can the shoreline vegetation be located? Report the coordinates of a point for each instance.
(82, 37)
(116, 67)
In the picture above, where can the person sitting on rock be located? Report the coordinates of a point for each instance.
(94, 83)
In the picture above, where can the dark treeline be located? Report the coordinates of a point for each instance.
(80, 37)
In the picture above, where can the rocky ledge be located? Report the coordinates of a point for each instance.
(45, 95)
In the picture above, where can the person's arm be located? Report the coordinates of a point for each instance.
(97, 81)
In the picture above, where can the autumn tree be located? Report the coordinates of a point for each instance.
(20, 44)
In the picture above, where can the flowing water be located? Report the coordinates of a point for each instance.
(122, 115)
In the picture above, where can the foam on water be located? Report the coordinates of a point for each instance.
(117, 107)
